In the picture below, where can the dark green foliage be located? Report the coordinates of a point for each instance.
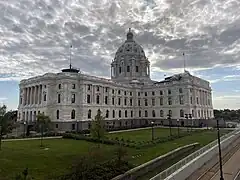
(98, 166)
(97, 130)
(24, 175)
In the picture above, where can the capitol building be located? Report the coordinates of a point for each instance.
(129, 99)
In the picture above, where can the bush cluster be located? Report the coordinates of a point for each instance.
(47, 134)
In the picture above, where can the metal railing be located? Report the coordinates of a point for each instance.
(164, 174)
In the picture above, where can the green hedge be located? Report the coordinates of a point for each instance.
(128, 143)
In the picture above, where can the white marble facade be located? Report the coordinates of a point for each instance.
(129, 98)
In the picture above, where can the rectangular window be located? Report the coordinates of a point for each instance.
(131, 102)
(120, 70)
(56, 126)
(161, 93)
(44, 97)
(73, 98)
(128, 68)
(88, 99)
(145, 93)
(59, 86)
(106, 89)
(139, 93)
(153, 93)
(106, 99)
(125, 101)
(112, 100)
(197, 101)
(161, 101)
(89, 87)
(125, 93)
(97, 99)
(131, 113)
(139, 102)
(153, 102)
(146, 102)
(181, 100)
(169, 91)
(98, 88)
(73, 86)
(136, 68)
(191, 101)
(140, 113)
(119, 92)
(73, 126)
(59, 98)
(112, 91)
(130, 93)
(180, 90)
(119, 101)
(169, 101)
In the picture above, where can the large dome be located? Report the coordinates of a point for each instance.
(130, 47)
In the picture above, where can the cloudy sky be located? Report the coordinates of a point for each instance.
(35, 36)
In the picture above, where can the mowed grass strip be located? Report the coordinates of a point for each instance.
(143, 134)
(17, 155)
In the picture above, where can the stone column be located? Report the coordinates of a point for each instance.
(25, 96)
(37, 91)
(29, 93)
(40, 95)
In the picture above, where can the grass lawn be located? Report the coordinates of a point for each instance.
(17, 155)
(144, 134)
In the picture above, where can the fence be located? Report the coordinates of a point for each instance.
(191, 157)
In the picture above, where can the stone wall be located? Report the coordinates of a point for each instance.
(151, 165)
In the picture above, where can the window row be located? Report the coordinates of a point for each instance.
(119, 92)
(60, 86)
(73, 114)
(146, 101)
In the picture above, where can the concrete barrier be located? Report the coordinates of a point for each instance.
(186, 170)
(153, 164)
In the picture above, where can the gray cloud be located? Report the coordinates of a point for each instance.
(36, 35)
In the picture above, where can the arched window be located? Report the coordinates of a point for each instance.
(107, 113)
(57, 114)
(89, 114)
(73, 114)
(161, 113)
(125, 113)
(113, 113)
(97, 99)
(181, 113)
(146, 114)
(119, 113)
(153, 113)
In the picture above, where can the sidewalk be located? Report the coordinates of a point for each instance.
(27, 139)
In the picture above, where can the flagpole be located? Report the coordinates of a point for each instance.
(70, 56)
(184, 63)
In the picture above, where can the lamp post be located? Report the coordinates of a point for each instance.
(186, 116)
(178, 126)
(170, 123)
(220, 152)
(24, 129)
(152, 123)
(190, 117)
(77, 126)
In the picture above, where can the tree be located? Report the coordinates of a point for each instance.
(5, 124)
(97, 126)
(43, 125)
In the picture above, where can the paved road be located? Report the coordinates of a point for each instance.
(230, 168)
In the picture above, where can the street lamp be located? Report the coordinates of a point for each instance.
(24, 128)
(178, 126)
(152, 123)
(170, 123)
(186, 116)
(77, 126)
(190, 117)
(220, 153)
